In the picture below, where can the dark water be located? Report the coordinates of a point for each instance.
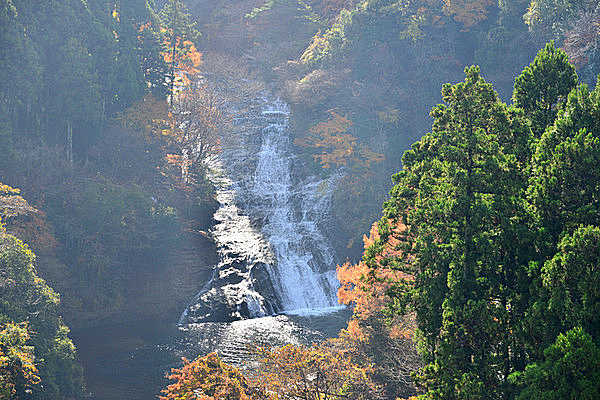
(129, 361)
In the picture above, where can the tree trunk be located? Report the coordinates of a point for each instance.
(70, 142)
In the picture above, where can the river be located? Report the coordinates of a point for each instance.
(129, 361)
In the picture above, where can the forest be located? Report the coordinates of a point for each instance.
(473, 273)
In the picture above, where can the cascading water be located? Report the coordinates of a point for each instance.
(290, 211)
(273, 255)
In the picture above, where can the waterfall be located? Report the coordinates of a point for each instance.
(290, 210)
(273, 254)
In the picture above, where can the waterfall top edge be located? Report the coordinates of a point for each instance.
(310, 312)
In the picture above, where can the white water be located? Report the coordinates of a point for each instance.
(269, 218)
(291, 210)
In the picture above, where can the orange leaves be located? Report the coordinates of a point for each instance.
(369, 359)
(386, 342)
(313, 372)
(465, 12)
(366, 288)
(336, 147)
(187, 57)
(335, 125)
(182, 55)
(207, 378)
(149, 116)
(290, 372)
(175, 159)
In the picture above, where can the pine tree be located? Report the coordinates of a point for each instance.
(458, 194)
(543, 87)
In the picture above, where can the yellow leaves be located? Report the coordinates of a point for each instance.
(182, 54)
(7, 190)
(318, 47)
(12, 204)
(391, 116)
(149, 117)
(17, 365)
(115, 13)
(465, 12)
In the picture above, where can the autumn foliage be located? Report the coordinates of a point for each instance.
(208, 378)
(185, 58)
(582, 38)
(366, 288)
(17, 368)
(372, 335)
(335, 147)
(318, 371)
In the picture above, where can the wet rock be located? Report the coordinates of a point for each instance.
(236, 292)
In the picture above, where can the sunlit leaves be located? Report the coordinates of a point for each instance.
(569, 370)
(314, 372)
(543, 86)
(24, 296)
(367, 288)
(373, 334)
(209, 378)
(468, 12)
(186, 59)
(12, 204)
(17, 368)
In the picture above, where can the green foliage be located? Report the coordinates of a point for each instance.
(569, 370)
(572, 278)
(502, 237)
(279, 31)
(543, 87)
(309, 14)
(110, 229)
(26, 297)
(457, 193)
(564, 183)
(72, 62)
(86, 113)
(176, 20)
